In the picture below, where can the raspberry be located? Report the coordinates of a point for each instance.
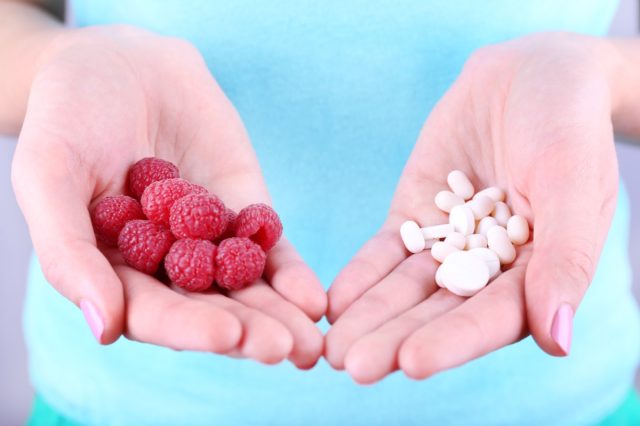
(144, 244)
(190, 264)
(239, 262)
(260, 223)
(158, 198)
(198, 216)
(111, 214)
(229, 230)
(149, 170)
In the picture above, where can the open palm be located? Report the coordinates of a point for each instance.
(103, 99)
(530, 116)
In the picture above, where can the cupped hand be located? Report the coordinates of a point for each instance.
(531, 116)
(102, 99)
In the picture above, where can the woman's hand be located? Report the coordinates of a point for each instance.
(531, 116)
(102, 99)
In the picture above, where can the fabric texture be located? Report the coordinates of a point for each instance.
(333, 95)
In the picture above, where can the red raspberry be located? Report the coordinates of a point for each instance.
(239, 262)
(190, 264)
(198, 216)
(147, 171)
(229, 230)
(158, 198)
(260, 223)
(111, 214)
(144, 244)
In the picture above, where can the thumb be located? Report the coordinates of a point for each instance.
(55, 208)
(572, 214)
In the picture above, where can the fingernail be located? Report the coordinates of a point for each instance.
(562, 326)
(93, 318)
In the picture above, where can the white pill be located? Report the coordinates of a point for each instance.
(493, 192)
(475, 241)
(437, 231)
(456, 239)
(462, 219)
(484, 225)
(498, 241)
(439, 277)
(490, 258)
(460, 184)
(518, 229)
(502, 213)
(446, 200)
(412, 238)
(429, 243)
(441, 250)
(464, 274)
(481, 206)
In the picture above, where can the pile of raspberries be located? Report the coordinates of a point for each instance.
(171, 220)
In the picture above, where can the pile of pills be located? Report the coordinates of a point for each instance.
(479, 238)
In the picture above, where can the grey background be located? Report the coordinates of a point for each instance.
(15, 391)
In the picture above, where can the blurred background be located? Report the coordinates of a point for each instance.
(15, 391)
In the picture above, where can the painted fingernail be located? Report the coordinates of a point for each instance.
(562, 326)
(93, 318)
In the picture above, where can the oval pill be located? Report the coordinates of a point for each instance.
(518, 229)
(460, 184)
(456, 239)
(475, 241)
(498, 241)
(437, 231)
(464, 274)
(493, 192)
(446, 200)
(481, 206)
(441, 250)
(462, 219)
(484, 225)
(490, 258)
(412, 238)
(502, 213)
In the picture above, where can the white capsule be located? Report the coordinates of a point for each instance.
(462, 219)
(456, 239)
(481, 206)
(485, 223)
(446, 200)
(441, 250)
(437, 231)
(490, 258)
(439, 278)
(498, 241)
(412, 238)
(518, 229)
(501, 213)
(475, 241)
(493, 192)
(460, 184)
(464, 274)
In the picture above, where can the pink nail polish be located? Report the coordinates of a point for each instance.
(562, 327)
(93, 318)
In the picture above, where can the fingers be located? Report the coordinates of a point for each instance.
(290, 276)
(307, 338)
(158, 315)
(375, 355)
(372, 263)
(263, 338)
(570, 227)
(493, 318)
(409, 284)
(55, 209)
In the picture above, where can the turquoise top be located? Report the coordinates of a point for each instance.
(333, 95)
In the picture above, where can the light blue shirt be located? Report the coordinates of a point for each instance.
(333, 94)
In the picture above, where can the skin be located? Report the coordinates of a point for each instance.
(533, 116)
